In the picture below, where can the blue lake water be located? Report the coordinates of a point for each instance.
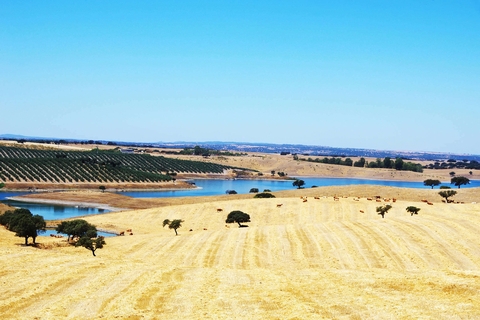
(54, 212)
(218, 187)
(48, 232)
(209, 187)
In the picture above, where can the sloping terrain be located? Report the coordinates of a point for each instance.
(304, 260)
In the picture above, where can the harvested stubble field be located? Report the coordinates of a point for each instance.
(320, 259)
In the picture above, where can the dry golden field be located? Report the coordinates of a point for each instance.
(320, 259)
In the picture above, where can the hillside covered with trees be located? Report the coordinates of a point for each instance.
(52, 166)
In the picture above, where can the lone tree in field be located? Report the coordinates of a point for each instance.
(23, 223)
(238, 217)
(447, 194)
(383, 209)
(102, 188)
(91, 244)
(460, 181)
(412, 210)
(431, 183)
(298, 183)
(175, 224)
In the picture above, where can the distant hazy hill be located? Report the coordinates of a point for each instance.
(275, 148)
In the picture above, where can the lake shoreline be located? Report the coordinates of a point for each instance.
(102, 206)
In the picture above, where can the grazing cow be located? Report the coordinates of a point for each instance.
(394, 200)
(424, 200)
(304, 200)
(279, 205)
(219, 210)
(336, 198)
(52, 235)
(204, 228)
(190, 230)
(131, 233)
(369, 199)
(129, 230)
(122, 233)
(316, 198)
(378, 200)
(362, 211)
(429, 203)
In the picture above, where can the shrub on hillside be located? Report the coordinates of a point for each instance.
(264, 195)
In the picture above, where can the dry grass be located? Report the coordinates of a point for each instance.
(305, 260)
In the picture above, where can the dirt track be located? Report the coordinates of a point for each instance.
(312, 260)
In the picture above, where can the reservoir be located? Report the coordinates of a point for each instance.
(210, 187)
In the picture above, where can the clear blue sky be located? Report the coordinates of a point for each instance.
(392, 75)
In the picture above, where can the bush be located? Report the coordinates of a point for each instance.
(445, 187)
(264, 195)
(231, 192)
(253, 190)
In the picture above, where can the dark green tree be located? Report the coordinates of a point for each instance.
(383, 209)
(91, 244)
(238, 217)
(175, 224)
(387, 162)
(77, 228)
(412, 210)
(452, 174)
(360, 163)
(23, 223)
(3, 184)
(398, 163)
(460, 181)
(272, 172)
(447, 194)
(102, 188)
(348, 162)
(254, 190)
(431, 183)
(298, 183)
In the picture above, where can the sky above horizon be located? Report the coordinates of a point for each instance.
(389, 75)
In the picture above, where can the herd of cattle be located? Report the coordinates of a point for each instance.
(128, 231)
